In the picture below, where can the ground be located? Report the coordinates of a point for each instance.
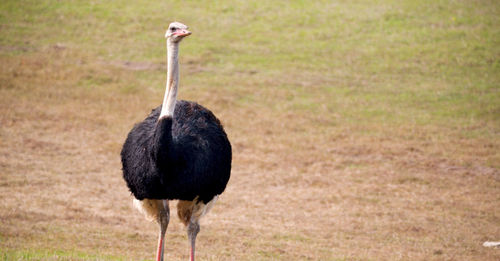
(361, 130)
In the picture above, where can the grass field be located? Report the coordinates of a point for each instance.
(361, 130)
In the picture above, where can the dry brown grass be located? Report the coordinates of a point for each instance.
(302, 187)
(364, 131)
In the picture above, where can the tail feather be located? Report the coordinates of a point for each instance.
(193, 210)
(149, 207)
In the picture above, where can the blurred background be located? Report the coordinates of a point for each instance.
(361, 130)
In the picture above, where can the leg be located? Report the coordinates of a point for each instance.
(190, 213)
(193, 229)
(163, 219)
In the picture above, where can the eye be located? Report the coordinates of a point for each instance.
(173, 29)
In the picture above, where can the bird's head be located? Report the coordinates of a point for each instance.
(176, 32)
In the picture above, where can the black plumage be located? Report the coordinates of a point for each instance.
(184, 157)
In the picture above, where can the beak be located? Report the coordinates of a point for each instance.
(182, 33)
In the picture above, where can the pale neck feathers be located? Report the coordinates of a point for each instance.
(170, 98)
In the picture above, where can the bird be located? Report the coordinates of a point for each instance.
(180, 151)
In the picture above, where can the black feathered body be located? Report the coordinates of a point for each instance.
(184, 157)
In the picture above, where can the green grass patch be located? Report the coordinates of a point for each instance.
(45, 254)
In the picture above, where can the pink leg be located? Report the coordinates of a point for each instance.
(193, 229)
(159, 252)
(163, 218)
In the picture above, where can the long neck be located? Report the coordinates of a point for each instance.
(168, 107)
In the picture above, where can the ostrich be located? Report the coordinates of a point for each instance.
(179, 152)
